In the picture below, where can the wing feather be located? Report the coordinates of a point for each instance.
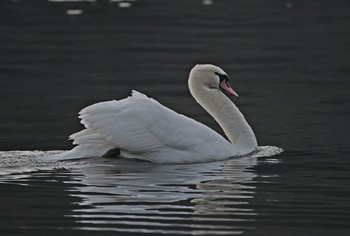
(140, 124)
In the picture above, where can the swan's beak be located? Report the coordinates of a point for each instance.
(224, 85)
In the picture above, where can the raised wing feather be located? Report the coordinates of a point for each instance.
(139, 125)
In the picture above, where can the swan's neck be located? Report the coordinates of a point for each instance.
(228, 116)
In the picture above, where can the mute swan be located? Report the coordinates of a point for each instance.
(140, 127)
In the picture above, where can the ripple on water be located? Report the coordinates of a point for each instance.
(16, 162)
(133, 196)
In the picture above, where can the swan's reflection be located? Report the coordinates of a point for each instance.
(133, 196)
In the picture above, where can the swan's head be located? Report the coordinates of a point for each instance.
(210, 77)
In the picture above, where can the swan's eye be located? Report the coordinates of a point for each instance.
(222, 77)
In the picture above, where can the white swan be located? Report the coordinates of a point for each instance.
(140, 127)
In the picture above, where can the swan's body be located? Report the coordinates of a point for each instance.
(140, 127)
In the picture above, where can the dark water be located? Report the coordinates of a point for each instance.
(288, 60)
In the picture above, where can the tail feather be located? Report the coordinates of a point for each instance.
(90, 144)
(80, 151)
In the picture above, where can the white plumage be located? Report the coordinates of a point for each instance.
(142, 128)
